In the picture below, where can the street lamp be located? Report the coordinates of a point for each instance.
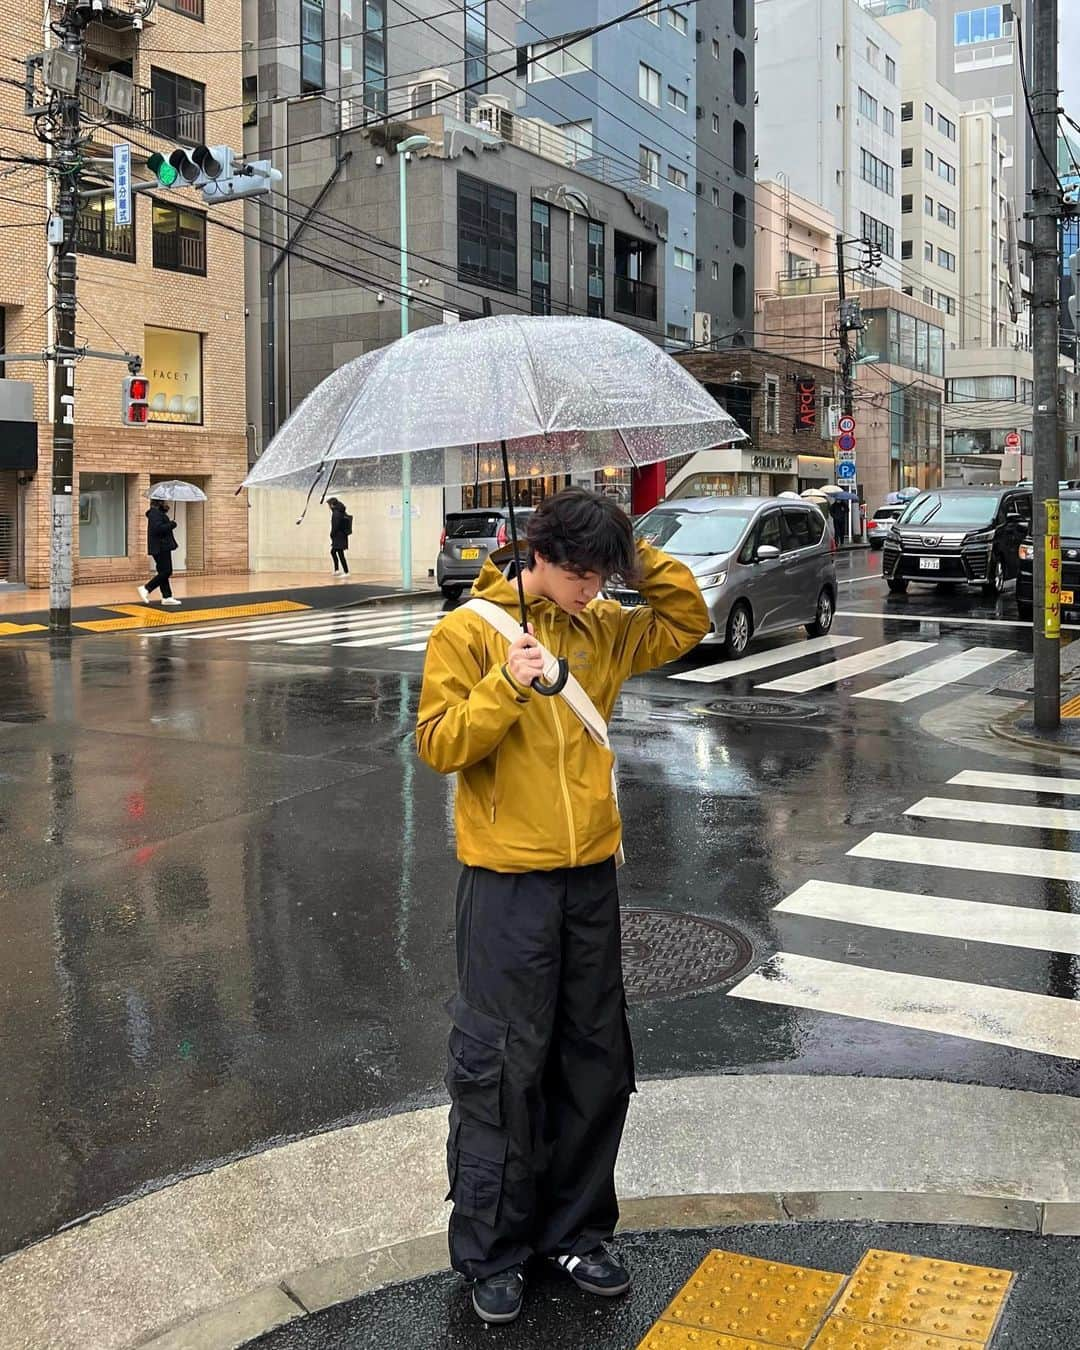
(403, 148)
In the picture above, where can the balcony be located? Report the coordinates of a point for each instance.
(97, 235)
(172, 124)
(193, 9)
(637, 298)
(175, 252)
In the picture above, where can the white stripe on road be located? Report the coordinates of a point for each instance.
(386, 640)
(977, 1012)
(386, 632)
(854, 581)
(850, 665)
(995, 813)
(939, 618)
(1003, 859)
(936, 676)
(1017, 782)
(412, 647)
(727, 670)
(937, 916)
(298, 620)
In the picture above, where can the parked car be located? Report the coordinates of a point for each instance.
(762, 565)
(966, 535)
(879, 525)
(468, 538)
(1070, 562)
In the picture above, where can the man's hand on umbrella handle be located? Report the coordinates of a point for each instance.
(525, 661)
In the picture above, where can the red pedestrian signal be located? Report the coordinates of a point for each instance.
(135, 401)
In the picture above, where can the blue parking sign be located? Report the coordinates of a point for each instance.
(845, 469)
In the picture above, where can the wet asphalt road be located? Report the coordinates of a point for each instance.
(228, 884)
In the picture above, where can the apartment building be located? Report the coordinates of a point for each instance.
(168, 287)
(794, 243)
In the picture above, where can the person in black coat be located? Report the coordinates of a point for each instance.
(160, 543)
(340, 529)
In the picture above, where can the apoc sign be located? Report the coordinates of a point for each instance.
(805, 403)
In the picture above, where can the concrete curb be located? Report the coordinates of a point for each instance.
(1005, 730)
(220, 1257)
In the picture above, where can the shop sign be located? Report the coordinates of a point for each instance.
(805, 403)
(772, 464)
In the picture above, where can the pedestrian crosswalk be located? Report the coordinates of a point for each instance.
(998, 1014)
(404, 628)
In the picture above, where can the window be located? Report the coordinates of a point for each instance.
(678, 21)
(98, 233)
(738, 147)
(179, 238)
(905, 204)
(902, 340)
(876, 172)
(927, 294)
(635, 261)
(653, 13)
(684, 260)
(946, 303)
(172, 362)
(928, 159)
(888, 121)
(580, 136)
(374, 54)
(907, 158)
(799, 530)
(596, 269)
(648, 84)
(998, 388)
(102, 515)
(487, 233)
(311, 46)
(676, 98)
(946, 215)
(250, 97)
(928, 206)
(890, 70)
(547, 64)
(873, 53)
(716, 271)
(738, 290)
(868, 106)
(738, 77)
(772, 405)
(541, 258)
(738, 16)
(947, 128)
(928, 114)
(716, 49)
(928, 252)
(476, 45)
(678, 178)
(905, 249)
(178, 105)
(678, 332)
(716, 122)
(946, 259)
(978, 25)
(946, 171)
(878, 233)
(739, 219)
(907, 112)
(192, 8)
(649, 166)
(716, 196)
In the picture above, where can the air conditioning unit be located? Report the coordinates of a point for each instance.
(702, 328)
(426, 93)
(494, 115)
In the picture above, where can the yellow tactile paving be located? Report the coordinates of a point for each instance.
(917, 1294)
(746, 1300)
(143, 616)
(840, 1333)
(1071, 707)
(669, 1336)
(10, 629)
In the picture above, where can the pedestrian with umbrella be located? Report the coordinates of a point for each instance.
(519, 686)
(340, 529)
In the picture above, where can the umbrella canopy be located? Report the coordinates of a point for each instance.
(176, 490)
(814, 495)
(567, 396)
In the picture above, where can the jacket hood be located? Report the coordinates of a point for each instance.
(157, 506)
(492, 585)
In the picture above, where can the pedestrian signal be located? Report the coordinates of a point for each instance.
(135, 401)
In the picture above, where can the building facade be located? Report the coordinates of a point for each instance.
(794, 243)
(168, 288)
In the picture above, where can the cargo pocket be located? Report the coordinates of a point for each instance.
(476, 1163)
(475, 1062)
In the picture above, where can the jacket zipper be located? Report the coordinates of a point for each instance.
(562, 779)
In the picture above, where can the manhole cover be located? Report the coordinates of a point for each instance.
(22, 717)
(666, 953)
(767, 709)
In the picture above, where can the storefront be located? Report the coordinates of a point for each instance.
(816, 471)
(614, 483)
(732, 472)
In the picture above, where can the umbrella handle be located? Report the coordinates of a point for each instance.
(558, 684)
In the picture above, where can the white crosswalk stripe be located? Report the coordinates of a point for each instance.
(1021, 1019)
(843, 669)
(728, 670)
(325, 628)
(386, 631)
(936, 676)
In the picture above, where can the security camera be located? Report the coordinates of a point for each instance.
(736, 376)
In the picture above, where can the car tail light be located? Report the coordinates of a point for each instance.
(500, 538)
(834, 547)
(442, 540)
(1027, 552)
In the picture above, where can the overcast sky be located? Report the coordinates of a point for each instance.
(1069, 58)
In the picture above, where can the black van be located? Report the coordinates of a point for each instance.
(966, 535)
(1070, 562)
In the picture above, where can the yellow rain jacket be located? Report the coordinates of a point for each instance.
(534, 789)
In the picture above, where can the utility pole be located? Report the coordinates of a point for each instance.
(847, 359)
(1046, 207)
(404, 149)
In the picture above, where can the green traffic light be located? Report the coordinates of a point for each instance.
(162, 170)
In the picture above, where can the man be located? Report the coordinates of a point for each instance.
(540, 1063)
(340, 529)
(160, 544)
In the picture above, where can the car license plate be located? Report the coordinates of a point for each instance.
(470, 553)
(930, 564)
(1066, 597)
(628, 599)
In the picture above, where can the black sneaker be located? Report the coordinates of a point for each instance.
(498, 1298)
(596, 1273)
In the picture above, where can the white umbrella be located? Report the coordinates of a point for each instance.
(176, 490)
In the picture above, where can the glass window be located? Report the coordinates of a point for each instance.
(951, 510)
(596, 269)
(547, 64)
(678, 21)
(676, 98)
(890, 70)
(928, 159)
(98, 233)
(678, 178)
(653, 13)
(888, 122)
(102, 515)
(946, 259)
(649, 165)
(905, 249)
(946, 171)
(716, 271)
(928, 251)
(716, 122)
(250, 96)
(797, 528)
(877, 232)
(905, 204)
(541, 258)
(487, 233)
(876, 172)
(868, 106)
(476, 43)
(172, 362)
(928, 206)
(684, 259)
(873, 53)
(769, 531)
(947, 128)
(648, 84)
(178, 105)
(678, 332)
(311, 46)
(906, 158)
(179, 238)
(946, 215)
(928, 114)
(580, 136)
(907, 112)
(716, 196)
(695, 532)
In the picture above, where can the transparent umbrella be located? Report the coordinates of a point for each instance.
(498, 398)
(176, 490)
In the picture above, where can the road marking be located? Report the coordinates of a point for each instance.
(937, 916)
(995, 813)
(378, 633)
(412, 647)
(142, 616)
(1017, 782)
(938, 618)
(727, 670)
(854, 581)
(936, 676)
(848, 666)
(309, 619)
(386, 640)
(1004, 859)
(977, 1012)
(10, 629)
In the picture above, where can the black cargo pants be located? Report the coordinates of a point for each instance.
(540, 1066)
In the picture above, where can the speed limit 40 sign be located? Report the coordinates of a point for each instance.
(846, 425)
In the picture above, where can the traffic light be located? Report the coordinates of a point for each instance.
(198, 167)
(245, 180)
(135, 400)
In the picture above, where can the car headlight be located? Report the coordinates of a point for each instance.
(894, 534)
(712, 579)
(982, 537)
(1027, 552)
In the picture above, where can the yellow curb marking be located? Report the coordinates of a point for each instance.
(1071, 708)
(141, 616)
(9, 629)
(893, 1300)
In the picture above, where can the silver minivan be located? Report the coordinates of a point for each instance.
(762, 564)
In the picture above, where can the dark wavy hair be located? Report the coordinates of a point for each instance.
(585, 532)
